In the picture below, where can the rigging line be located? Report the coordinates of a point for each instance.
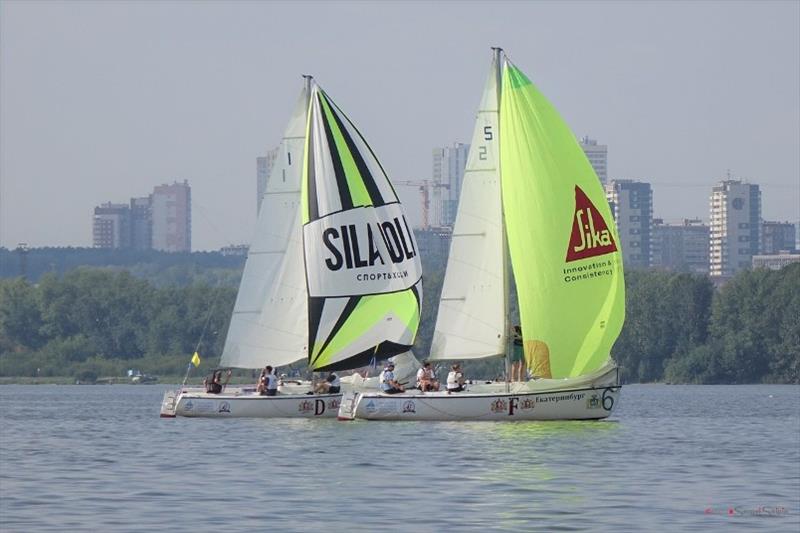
(208, 219)
(208, 317)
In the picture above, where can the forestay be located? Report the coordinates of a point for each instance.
(562, 239)
(269, 322)
(471, 317)
(361, 258)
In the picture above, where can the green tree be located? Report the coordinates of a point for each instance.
(20, 319)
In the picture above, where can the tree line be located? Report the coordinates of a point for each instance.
(101, 322)
(678, 328)
(162, 268)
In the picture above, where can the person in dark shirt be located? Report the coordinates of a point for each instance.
(331, 385)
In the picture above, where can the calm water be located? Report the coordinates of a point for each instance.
(671, 458)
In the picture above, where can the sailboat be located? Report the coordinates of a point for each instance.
(332, 276)
(530, 202)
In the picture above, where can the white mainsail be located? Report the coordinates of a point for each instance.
(472, 308)
(270, 318)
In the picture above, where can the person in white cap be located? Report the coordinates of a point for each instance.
(388, 383)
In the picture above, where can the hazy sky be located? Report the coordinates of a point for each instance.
(101, 101)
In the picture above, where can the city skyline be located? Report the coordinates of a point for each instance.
(90, 113)
(160, 221)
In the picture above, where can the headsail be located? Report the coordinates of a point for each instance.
(269, 325)
(471, 318)
(363, 271)
(562, 239)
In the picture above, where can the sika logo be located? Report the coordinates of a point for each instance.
(590, 235)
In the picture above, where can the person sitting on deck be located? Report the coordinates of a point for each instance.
(388, 383)
(331, 385)
(270, 382)
(426, 379)
(261, 388)
(214, 386)
(455, 379)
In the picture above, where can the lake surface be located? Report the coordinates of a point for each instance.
(690, 458)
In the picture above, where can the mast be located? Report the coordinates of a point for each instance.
(498, 56)
(307, 79)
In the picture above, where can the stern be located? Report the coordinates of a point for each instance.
(169, 404)
(347, 409)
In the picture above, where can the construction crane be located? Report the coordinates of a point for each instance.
(425, 187)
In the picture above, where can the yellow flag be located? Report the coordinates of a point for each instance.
(196, 359)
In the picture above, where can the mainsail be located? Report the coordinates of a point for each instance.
(561, 237)
(528, 177)
(269, 322)
(471, 319)
(362, 266)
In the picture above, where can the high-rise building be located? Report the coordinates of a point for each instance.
(680, 247)
(263, 168)
(171, 211)
(735, 227)
(777, 237)
(598, 157)
(111, 226)
(631, 204)
(141, 223)
(448, 175)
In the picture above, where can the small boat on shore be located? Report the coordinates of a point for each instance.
(530, 202)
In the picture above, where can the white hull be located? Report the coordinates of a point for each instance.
(228, 405)
(586, 398)
(292, 400)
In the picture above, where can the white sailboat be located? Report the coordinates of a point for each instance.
(332, 275)
(530, 200)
